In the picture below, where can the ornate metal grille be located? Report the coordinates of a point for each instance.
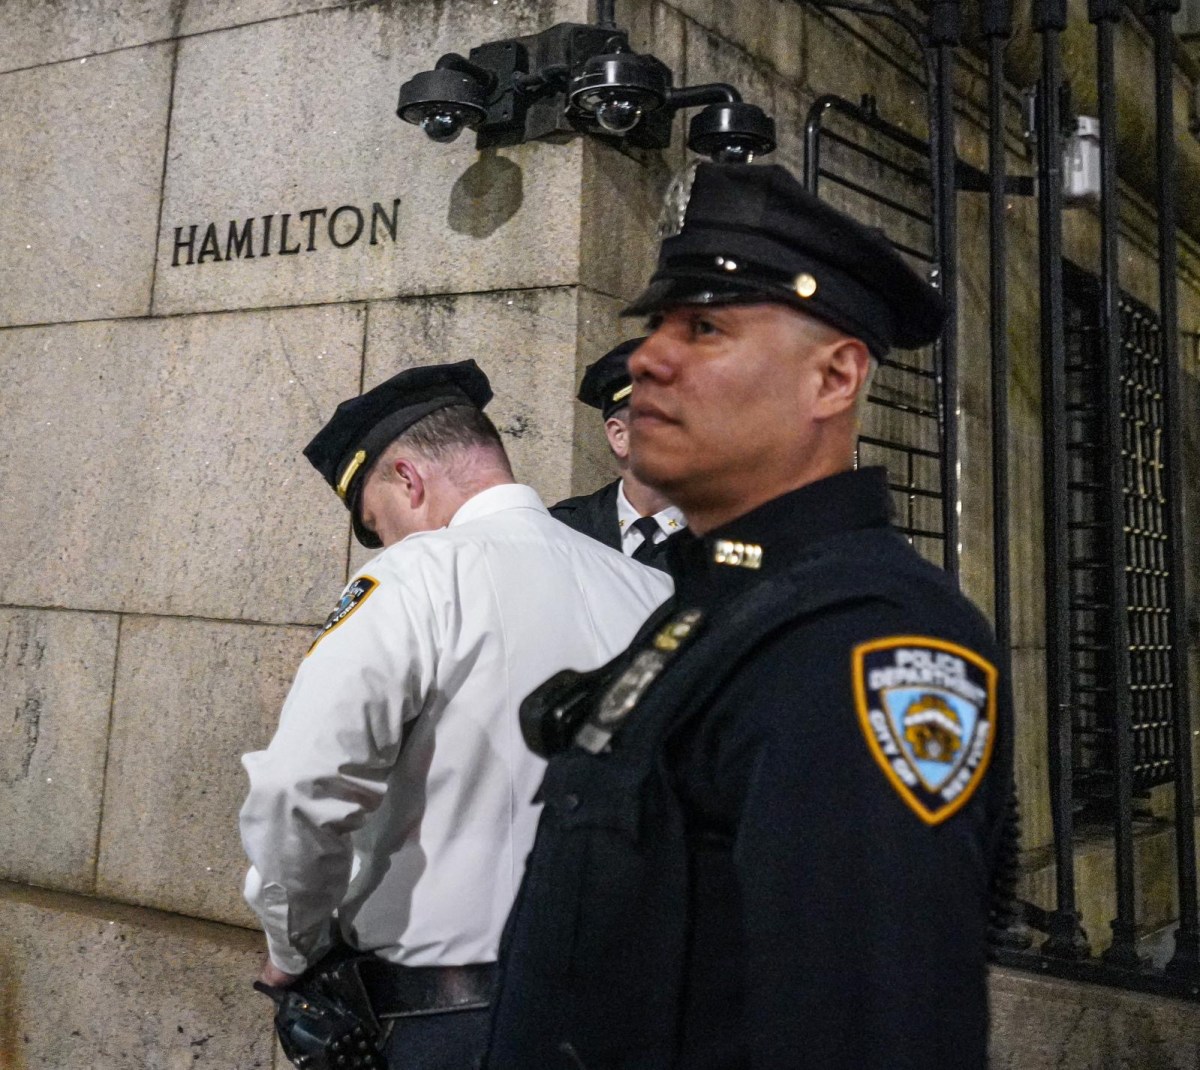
(1144, 594)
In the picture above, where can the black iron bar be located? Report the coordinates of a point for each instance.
(915, 174)
(1106, 15)
(605, 14)
(862, 116)
(903, 406)
(908, 489)
(944, 36)
(997, 28)
(1186, 960)
(912, 369)
(1065, 939)
(884, 443)
(911, 476)
(880, 198)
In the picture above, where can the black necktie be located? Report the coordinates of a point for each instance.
(647, 526)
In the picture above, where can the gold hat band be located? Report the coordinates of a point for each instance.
(355, 464)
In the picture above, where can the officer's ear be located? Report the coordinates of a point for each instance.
(617, 431)
(409, 480)
(844, 365)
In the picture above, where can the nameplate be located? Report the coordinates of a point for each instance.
(285, 233)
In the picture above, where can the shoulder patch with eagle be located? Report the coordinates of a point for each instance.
(928, 710)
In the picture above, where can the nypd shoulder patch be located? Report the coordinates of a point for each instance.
(928, 710)
(355, 594)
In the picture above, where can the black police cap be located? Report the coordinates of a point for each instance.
(363, 427)
(606, 384)
(748, 233)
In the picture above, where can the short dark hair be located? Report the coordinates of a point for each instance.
(447, 432)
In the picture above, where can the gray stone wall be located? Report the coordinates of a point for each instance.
(165, 551)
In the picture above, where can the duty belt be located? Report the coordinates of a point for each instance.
(399, 991)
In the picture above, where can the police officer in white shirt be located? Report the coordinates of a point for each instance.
(626, 514)
(392, 811)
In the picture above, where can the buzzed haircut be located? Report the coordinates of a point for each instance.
(446, 433)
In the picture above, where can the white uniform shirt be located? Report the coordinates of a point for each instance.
(397, 789)
(670, 520)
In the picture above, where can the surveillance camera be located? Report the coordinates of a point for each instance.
(442, 101)
(617, 89)
(732, 133)
(444, 124)
(618, 116)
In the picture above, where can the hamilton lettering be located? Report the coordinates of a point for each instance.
(308, 231)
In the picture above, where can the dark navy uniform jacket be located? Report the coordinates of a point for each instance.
(595, 514)
(782, 856)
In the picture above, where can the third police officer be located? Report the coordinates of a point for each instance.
(626, 514)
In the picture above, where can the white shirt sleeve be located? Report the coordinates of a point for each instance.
(327, 766)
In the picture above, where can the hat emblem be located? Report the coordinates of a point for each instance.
(805, 285)
(355, 464)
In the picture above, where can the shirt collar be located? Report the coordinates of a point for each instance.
(495, 500)
(670, 519)
(783, 529)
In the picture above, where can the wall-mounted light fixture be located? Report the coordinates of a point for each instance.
(575, 78)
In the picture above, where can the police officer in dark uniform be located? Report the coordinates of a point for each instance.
(626, 514)
(770, 825)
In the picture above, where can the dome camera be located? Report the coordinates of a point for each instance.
(732, 133)
(617, 89)
(618, 115)
(442, 101)
(445, 123)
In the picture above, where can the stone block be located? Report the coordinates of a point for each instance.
(256, 134)
(56, 673)
(1027, 548)
(187, 492)
(83, 147)
(600, 328)
(191, 697)
(660, 29)
(34, 33)
(771, 31)
(622, 202)
(792, 102)
(712, 57)
(94, 986)
(977, 534)
(850, 56)
(1041, 1023)
(1032, 741)
(226, 14)
(1156, 903)
(524, 340)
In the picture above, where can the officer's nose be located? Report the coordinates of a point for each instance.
(653, 360)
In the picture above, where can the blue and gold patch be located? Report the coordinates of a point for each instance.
(355, 594)
(928, 710)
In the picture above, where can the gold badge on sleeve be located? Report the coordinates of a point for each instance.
(928, 710)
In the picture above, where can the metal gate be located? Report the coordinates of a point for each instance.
(908, 426)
